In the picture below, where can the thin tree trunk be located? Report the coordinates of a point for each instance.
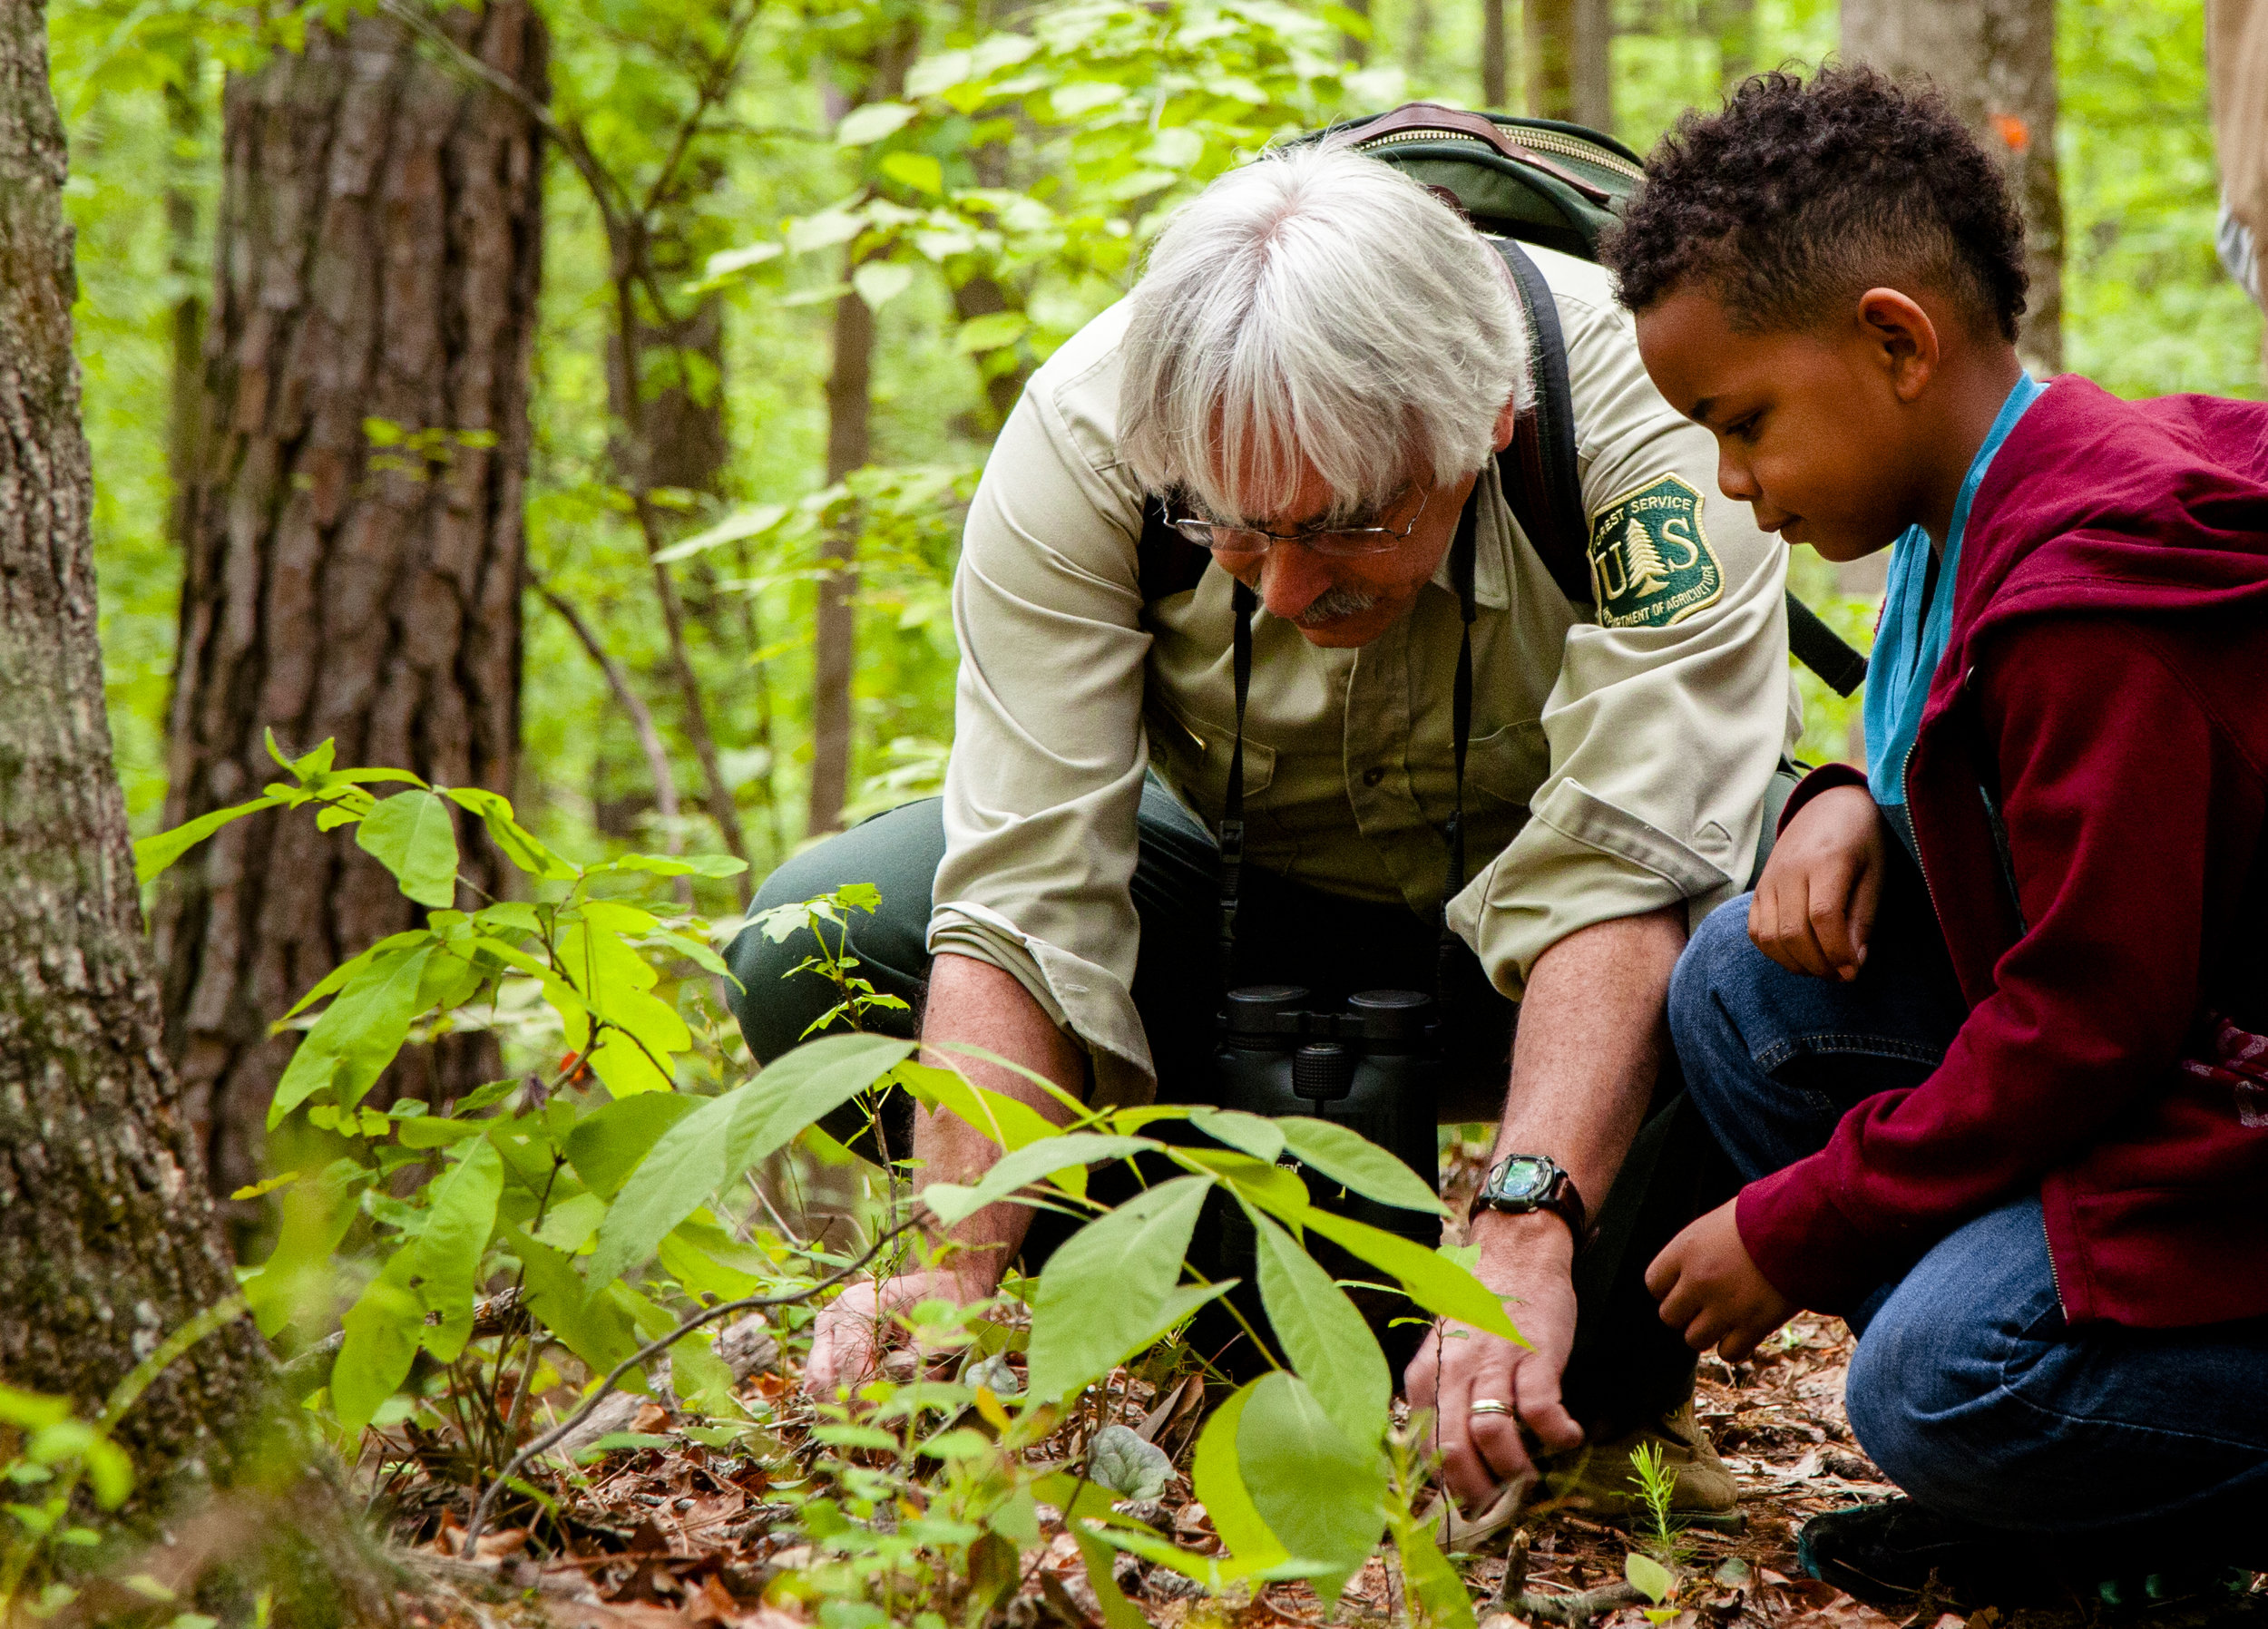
(1417, 47)
(379, 261)
(185, 123)
(1593, 51)
(1995, 60)
(849, 446)
(1568, 54)
(108, 1239)
(1495, 87)
(1355, 47)
(1734, 23)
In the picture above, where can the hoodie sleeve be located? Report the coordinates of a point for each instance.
(2120, 790)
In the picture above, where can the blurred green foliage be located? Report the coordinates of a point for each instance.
(1036, 149)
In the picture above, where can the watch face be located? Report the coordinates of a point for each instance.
(1522, 1176)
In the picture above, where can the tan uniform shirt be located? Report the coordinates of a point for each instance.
(1618, 759)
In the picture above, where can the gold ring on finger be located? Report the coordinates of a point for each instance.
(1488, 1405)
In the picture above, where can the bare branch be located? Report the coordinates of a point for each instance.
(665, 788)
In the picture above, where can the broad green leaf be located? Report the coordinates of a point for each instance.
(358, 1034)
(918, 170)
(1432, 1280)
(1006, 1120)
(1127, 1465)
(1324, 1497)
(1256, 1135)
(1346, 1156)
(155, 852)
(109, 1472)
(381, 1329)
(438, 1131)
(702, 1378)
(872, 122)
(1433, 1586)
(1272, 1185)
(878, 282)
(1329, 1345)
(1118, 1612)
(708, 1261)
(569, 1223)
(676, 865)
(412, 834)
(991, 331)
(316, 1213)
(447, 1255)
(1650, 1577)
(726, 1136)
(741, 524)
(951, 1201)
(518, 844)
(1219, 1480)
(31, 1411)
(822, 230)
(593, 1327)
(607, 1144)
(1105, 1289)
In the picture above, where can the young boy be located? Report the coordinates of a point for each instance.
(1990, 1041)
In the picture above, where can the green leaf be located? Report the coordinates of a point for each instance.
(1106, 1289)
(1650, 1577)
(382, 1329)
(1256, 1135)
(1127, 1465)
(1346, 1156)
(607, 1144)
(878, 282)
(1006, 1120)
(447, 1255)
(517, 844)
(992, 331)
(918, 170)
(358, 1034)
(952, 1201)
(1324, 1497)
(1220, 1484)
(412, 834)
(726, 1136)
(155, 852)
(593, 1327)
(109, 1472)
(701, 1379)
(1118, 1612)
(872, 122)
(30, 1410)
(1432, 1280)
(1427, 1575)
(1329, 1344)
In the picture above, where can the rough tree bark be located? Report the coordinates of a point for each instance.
(108, 1240)
(849, 446)
(1569, 55)
(378, 259)
(1995, 60)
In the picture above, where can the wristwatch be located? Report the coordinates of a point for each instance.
(1522, 1184)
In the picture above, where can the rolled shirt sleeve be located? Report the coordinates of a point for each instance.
(1049, 753)
(1667, 718)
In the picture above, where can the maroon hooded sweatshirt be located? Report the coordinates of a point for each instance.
(2087, 789)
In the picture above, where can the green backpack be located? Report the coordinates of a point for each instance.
(1558, 186)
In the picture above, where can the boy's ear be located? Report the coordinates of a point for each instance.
(1902, 338)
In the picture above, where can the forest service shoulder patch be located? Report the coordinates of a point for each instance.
(1650, 562)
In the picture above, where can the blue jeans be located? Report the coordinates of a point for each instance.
(1968, 1388)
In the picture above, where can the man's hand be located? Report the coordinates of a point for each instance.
(859, 1326)
(1814, 904)
(1525, 1260)
(1710, 1288)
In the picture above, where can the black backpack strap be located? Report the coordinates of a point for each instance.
(1537, 471)
(1165, 562)
(1544, 488)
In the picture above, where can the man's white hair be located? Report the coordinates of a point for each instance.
(1319, 306)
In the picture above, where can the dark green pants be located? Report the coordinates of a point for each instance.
(1626, 1366)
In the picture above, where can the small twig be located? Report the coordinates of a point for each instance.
(665, 789)
(1514, 1583)
(482, 1511)
(1573, 1609)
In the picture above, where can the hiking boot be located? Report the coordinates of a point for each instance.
(1891, 1553)
(1599, 1477)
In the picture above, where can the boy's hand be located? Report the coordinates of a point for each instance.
(1815, 905)
(1709, 1288)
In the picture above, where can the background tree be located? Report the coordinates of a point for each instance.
(108, 1240)
(354, 561)
(1996, 60)
(1568, 54)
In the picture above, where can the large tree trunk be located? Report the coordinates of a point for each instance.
(1995, 60)
(108, 1240)
(380, 229)
(1568, 53)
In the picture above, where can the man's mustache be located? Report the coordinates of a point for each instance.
(1332, 605)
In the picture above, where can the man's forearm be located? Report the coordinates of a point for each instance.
(976, 1004)
(1585, 1057)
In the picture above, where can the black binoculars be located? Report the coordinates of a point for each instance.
(1375, 1067)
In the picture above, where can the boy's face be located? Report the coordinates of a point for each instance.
(1810, 425)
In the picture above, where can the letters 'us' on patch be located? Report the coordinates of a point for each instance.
(1650, 561)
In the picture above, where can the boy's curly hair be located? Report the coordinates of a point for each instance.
(1797, 198)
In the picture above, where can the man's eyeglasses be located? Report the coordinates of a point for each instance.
(1336, 541)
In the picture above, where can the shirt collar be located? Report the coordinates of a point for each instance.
(1492, 537)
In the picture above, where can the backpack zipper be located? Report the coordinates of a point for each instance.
(1542, 141)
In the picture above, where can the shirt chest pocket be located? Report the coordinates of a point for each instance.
(1194, 755)
(1510, 764)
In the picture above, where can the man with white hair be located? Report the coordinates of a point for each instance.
(1315, 374)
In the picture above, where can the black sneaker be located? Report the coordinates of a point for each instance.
(1889, 1554)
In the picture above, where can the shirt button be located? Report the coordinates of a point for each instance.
(1371, 777)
